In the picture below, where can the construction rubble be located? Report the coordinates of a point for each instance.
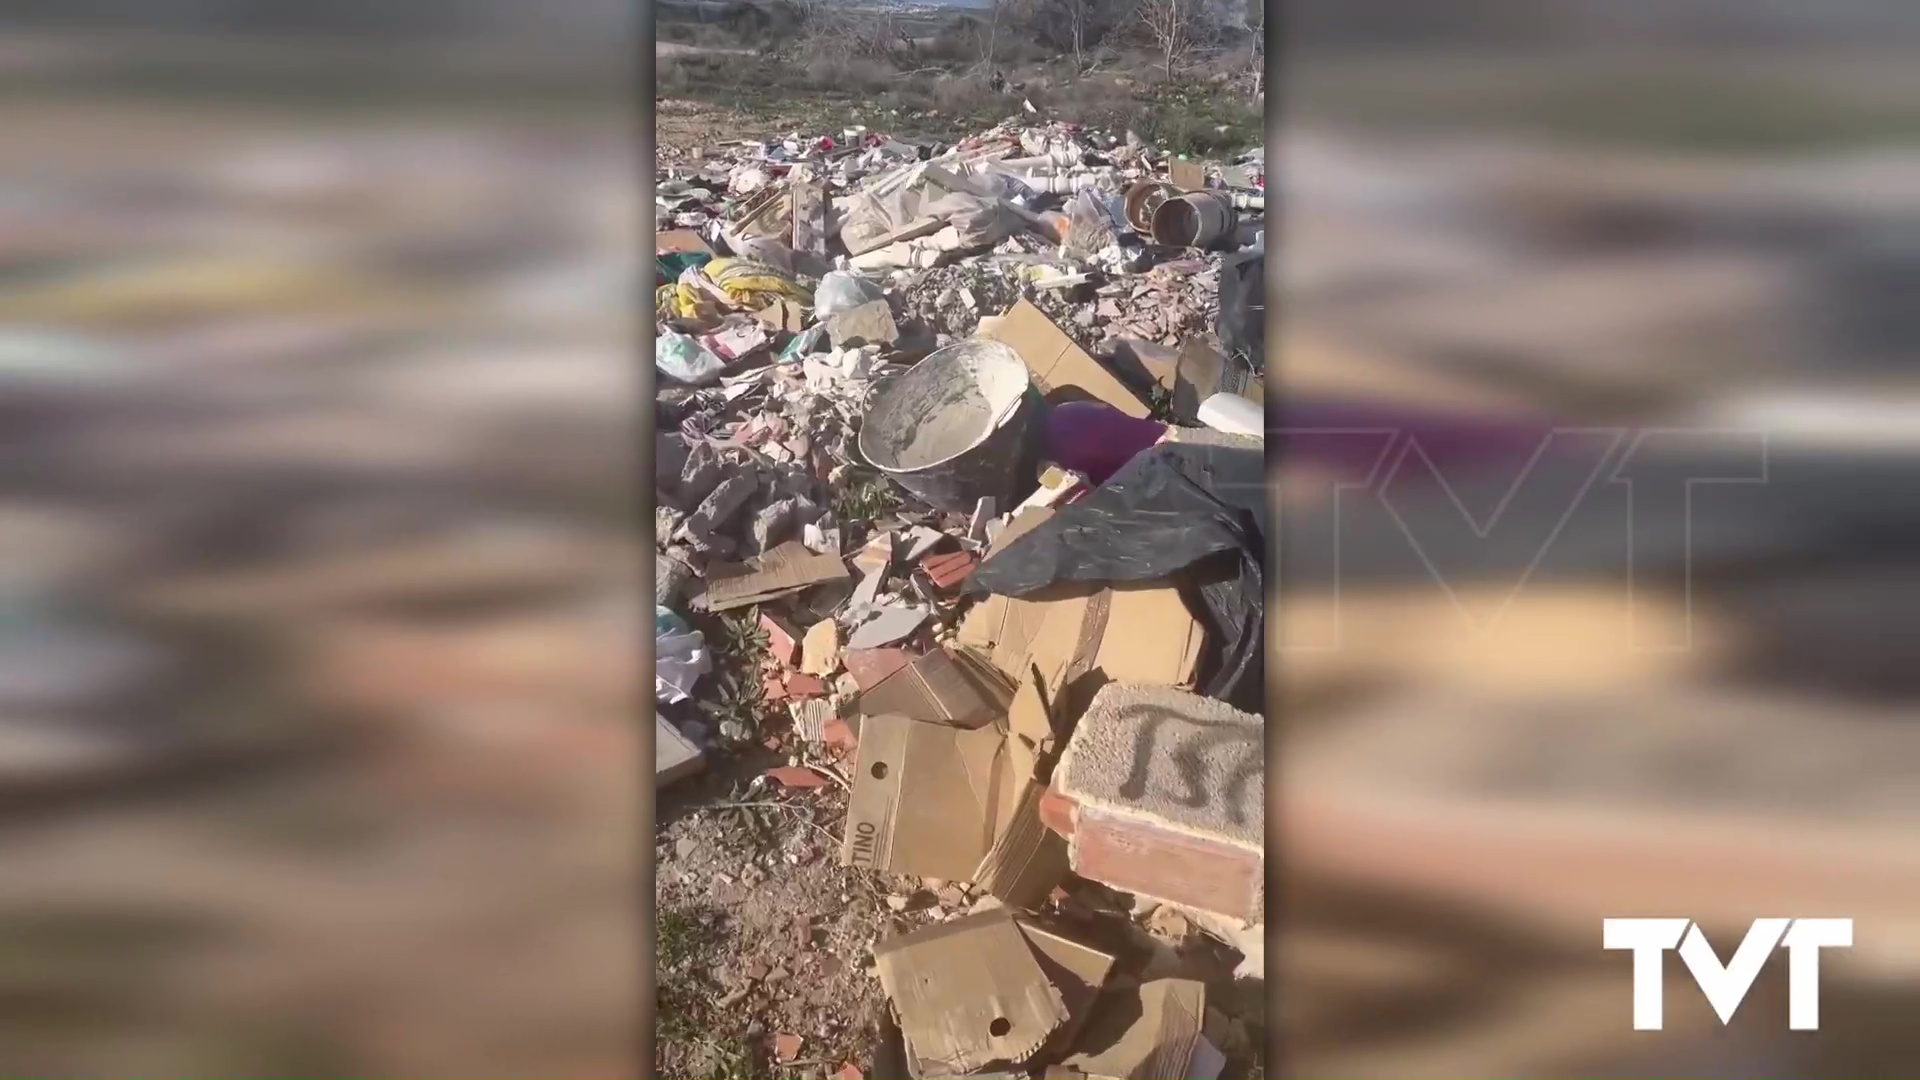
(970, 437)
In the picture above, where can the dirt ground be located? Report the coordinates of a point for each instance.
(760, 932)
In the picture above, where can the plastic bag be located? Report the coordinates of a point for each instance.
(1094, 222)
(1178, 509)
(979, 221)
(1242, 327)
(679, 658)
(803, 343)
(1004, 185)
(842, 290)
(683, 359)
(668, 621)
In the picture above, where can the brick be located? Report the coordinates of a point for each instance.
(783, 641)
(1168, 793)
(796, 776)
(1139, 856)
(802, 687)
(1056, 812)
(948, 571)
(773, 689)
(836, 733)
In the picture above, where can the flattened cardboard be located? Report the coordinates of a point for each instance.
(1020, 525)
(1204, 372)
(783, 315)
(1141, 632)
(956, 983)
(926, 799)
(1187, 175)
(1062, 369)
(1027, 859)
(786, 569)
(1153, 1037)
(680, 240)
(938, 688)
(1077, 971)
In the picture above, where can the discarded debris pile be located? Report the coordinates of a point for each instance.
(916, 412)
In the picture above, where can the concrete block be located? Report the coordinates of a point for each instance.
(1168, 796)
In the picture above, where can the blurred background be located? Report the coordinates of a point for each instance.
(317, 740)
(1602, 601)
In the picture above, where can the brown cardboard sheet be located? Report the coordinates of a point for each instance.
(1062, 369)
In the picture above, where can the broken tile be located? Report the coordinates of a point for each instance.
(921, 540)
(796, 776)
(891, 624)
(787, 1047)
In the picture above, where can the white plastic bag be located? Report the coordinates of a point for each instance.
(842, 290)
(683, 359)
(679, 657)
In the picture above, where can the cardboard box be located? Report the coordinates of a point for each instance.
(962, 803)
(939, 688)
(1062, 369)
(926, 800)
(1142, 632)
(971, 995)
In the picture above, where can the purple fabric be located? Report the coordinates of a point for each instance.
(1095, 438)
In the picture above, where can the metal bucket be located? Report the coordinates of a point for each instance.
(1197, 219)
(961, 425)
(1142, 199)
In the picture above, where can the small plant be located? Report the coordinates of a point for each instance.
(676, 934)
(731, 695)
(864, 497)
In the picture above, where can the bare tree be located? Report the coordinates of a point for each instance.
(1078, 12)
(1175, 27)
(991, 37)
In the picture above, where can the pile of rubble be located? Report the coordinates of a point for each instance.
(990, 640)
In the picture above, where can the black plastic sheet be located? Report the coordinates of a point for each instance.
(1190, 513)
(1242, 328)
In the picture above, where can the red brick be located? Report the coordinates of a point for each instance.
(948, 571)
(796, 776)
(849, 1071)
(801, 687)
(783, 641)
(773, 689)
(1135, 855)
(1056, 812)
(836, 733)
